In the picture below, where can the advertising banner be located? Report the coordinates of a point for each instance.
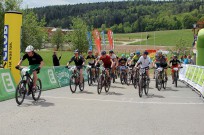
(12, 41)
(110, 39)
(97, 39)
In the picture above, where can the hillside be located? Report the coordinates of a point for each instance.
(127, 16)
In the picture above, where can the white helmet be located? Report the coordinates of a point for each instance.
(29, 48)
(132, 54)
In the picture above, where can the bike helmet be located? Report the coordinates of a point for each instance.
(175, 56)
(127, 56)
(111, 51)
(146, 53)
(89, 51)
(76, 51)
(159, 52)
(29, 48)
(123, 56)
(138, 52)
(103, 52)
(132, 54)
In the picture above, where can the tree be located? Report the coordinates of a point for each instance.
(78, 36)
(57, 38)
(33, 32)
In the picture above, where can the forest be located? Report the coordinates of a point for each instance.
(127, 16)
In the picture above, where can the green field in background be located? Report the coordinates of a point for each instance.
(162, 38)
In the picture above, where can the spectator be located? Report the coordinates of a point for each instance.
(190, 60)
(55, 59)
(182, 59)
(185, 60)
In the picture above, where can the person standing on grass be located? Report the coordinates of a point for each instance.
(55, 59)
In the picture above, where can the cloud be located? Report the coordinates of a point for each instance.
(41, 3)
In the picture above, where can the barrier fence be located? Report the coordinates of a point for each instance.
(194, 76)
(51, 77)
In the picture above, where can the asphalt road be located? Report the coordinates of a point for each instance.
(174, 111)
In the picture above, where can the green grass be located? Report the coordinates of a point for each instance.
(47, 57)
(162, 38)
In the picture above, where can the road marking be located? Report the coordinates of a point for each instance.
(130, 101)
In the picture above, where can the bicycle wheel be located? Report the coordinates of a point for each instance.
(89, 77)
(164, 83)
(100, 84)
(81, 85)
(122, 78)
(20, 92)
(36, 93)
(146, 88)
(73, 84)
(159, 82)
(175, 78)
(136, 80)
(140, 87)
(107, 84)
(128, 77)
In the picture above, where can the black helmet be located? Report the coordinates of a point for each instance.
(111, 51)
(103, 52)
(146, 53)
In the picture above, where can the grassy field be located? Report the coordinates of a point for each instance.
(162, 38)
(47, 57)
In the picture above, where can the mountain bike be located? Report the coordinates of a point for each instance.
(176, 75)
(104, 81)
(136, 76)
(123, 75)
(91, 77)
(143, 82)
(161, 80)
(75, 79)
(26, 86)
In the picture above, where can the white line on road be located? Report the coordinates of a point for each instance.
(122, 101)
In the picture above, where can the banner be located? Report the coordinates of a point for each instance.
(103, 39)
(7, 87)
(89, 40)
(48, 78)
(194, 76)
(12, 41)
(97, 40)
(63, 75)
(110, 39)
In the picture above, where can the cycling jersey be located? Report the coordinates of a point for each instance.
(113, 57)
(144, 62)
(135, 59)
(91, 59)
(122, 61)
(77, 60)
(35, 59)
(163, 62)
(106, 61)
(175, 62)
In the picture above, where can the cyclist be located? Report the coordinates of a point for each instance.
(163, 63)
(79, 63)
(97, 58)
(123, 63)
(156, 63)
(115, 61)
(136, 57)
(107, 62)
(91, 61)
(144, 62)
(35, 63)
(175, 64)
(129, 60)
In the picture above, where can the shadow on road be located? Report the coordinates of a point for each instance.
(84, 92)
(118, 87)
(114, 93)
(155, 96)
(40, 102)
(170, 89)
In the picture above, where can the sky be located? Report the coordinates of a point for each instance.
(41, 3)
